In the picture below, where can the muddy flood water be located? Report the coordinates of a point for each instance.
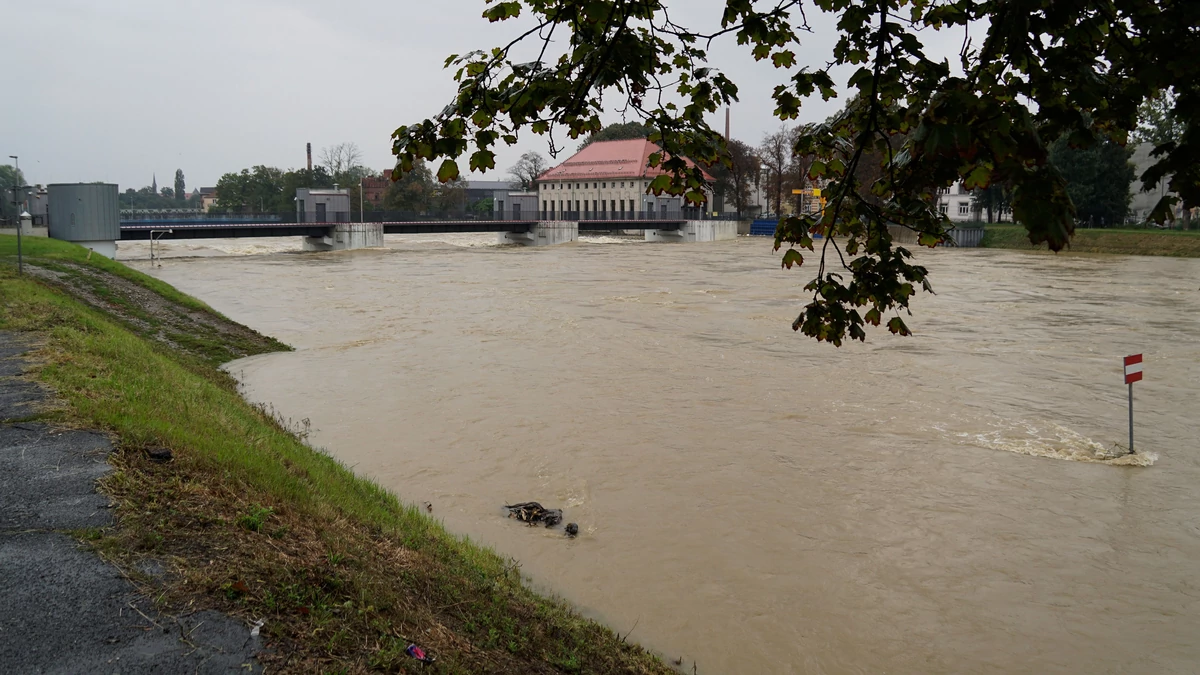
(748, 499)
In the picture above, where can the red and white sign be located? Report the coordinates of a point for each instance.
(1133, 368)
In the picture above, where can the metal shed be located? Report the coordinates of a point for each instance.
(87, 214)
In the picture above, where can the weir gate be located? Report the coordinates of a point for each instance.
(333, 236)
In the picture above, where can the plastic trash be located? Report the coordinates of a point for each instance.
(256, 627)
(419, 654)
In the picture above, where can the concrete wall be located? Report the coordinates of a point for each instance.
(544, 233)
(697, 231)
(347, 236)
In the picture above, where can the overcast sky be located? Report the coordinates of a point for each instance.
(123, 90)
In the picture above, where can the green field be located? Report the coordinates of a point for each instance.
(249, 519)
(1178, 243)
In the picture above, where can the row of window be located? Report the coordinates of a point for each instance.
(964, 208)
(583, 186)
(598, 206)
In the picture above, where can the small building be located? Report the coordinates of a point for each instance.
(322, 205)
(208, 197)
(609, 179)
(374, 190)
(479, 190)
(507, 205)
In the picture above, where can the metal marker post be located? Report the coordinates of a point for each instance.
(1133, 373)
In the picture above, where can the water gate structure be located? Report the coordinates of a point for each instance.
(338, 236)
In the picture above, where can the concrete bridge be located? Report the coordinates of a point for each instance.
(336, 236)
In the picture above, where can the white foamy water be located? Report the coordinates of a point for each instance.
(754, 501)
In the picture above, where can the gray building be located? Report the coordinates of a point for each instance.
(508, 205)
(322, 205)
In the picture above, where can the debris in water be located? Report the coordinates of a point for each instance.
(533, 512)
(572, 530)
(419, 654)
(428, 506)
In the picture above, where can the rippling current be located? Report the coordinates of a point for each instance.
(747, 498)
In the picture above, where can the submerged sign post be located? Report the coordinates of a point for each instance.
(1133, 373)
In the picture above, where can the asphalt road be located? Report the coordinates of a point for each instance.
(62, 608)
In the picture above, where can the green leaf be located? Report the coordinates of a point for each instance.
(480, 160)
(448, 171)
(792, 257)
(502, 11)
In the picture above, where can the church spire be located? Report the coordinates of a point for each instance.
(154, 184)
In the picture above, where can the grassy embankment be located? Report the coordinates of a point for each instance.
(250, 520)
(1177, 243)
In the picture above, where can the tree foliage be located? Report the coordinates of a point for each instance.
(775, 155)
(343, 162)
(527, 169)
(1043, 69)
(1098, 178)
(734, 178)
(618, 131)
(180, 186)
(266, 189)
(418, 192)
(10, 177)
(1157, 121)
(147, 198)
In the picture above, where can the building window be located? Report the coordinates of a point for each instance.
(593, 186)
(612, 205)
(944, 208)
(622, 185)
(622, 204)
(964, 208)
(593, 206)
(543, 205)
(576, 206)
(604, 185)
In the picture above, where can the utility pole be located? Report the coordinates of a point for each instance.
(17, 180)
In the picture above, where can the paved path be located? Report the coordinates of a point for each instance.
(62, 608)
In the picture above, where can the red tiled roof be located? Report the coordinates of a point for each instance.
(611, 159)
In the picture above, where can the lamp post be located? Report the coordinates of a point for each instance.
(16, 211)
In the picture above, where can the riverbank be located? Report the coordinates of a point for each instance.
(251, 521)
(1175, 243)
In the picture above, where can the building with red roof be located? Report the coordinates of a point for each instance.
(606, 178)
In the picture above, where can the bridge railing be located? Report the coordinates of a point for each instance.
(334, 217)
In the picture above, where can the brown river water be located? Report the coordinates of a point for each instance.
(748, 499)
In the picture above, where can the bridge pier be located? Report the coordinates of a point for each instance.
(694, 231)
(347, 236)
(543, 233)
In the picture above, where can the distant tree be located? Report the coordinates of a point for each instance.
(413, 193)
(10, 176)
(618, 132)
(775, 154)
(733, 182)
(180, 187)
(343, 162)
(527, 169)
(1098, 179)
(147, 198)
(259, 189)
(994, 198)
(168, 193)
(1158, 122)
(484, 206)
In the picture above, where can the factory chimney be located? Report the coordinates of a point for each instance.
(309, 157)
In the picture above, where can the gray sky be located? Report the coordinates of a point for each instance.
(125, 89)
